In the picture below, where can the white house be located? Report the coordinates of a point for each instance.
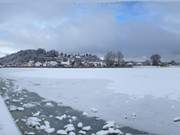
(66, 63)
(52, 63)
(30, 63)
(45, 64)
(38, 64)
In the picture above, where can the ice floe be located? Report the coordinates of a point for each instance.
(36, 114)
(61, 117)
(29, 105)
(82, 132)
(74, 118)
(86, 128)
(177, 119)
(72, 133)
(61, 132)
(109, 131)
(46, 127)
(69, 127)
(29, 133)
(15, 108)
(109, 124)
(33, 122)
(49, 104)
(94, 110)
(80, 125)
(85, 113)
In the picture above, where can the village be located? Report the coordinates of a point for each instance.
(48, 59)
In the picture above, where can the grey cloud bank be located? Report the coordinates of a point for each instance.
(91, 27)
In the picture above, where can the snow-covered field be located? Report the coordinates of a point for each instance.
(7, 126)
(144, 98)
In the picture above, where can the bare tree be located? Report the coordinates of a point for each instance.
(120, 57)
(112, 59)
(156, 59)
(52, 53)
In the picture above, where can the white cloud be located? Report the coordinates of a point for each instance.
(89, 27)
(5, 48)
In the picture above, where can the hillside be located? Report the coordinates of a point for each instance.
(24, 56)
(52, 58)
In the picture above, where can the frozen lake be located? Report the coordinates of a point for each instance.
(144, 98)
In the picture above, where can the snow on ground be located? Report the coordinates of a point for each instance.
(143, 98)
(7, 126)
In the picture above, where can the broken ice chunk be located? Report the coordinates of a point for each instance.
(94, 110)
(49, 104)
(82, 132)
(177, 119)
(109, 124)
(80, 125)
(33, 122)
(87, 128)
(61, 132)
(85, 113)
(69, 127)
(61, 117)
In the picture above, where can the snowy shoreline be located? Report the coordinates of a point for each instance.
(178, 66)
(7, 125)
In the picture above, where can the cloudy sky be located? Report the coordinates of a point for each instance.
(136, 28)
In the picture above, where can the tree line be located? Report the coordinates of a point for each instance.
(116, 59)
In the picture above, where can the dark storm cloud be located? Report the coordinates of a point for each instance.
(139, 28)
